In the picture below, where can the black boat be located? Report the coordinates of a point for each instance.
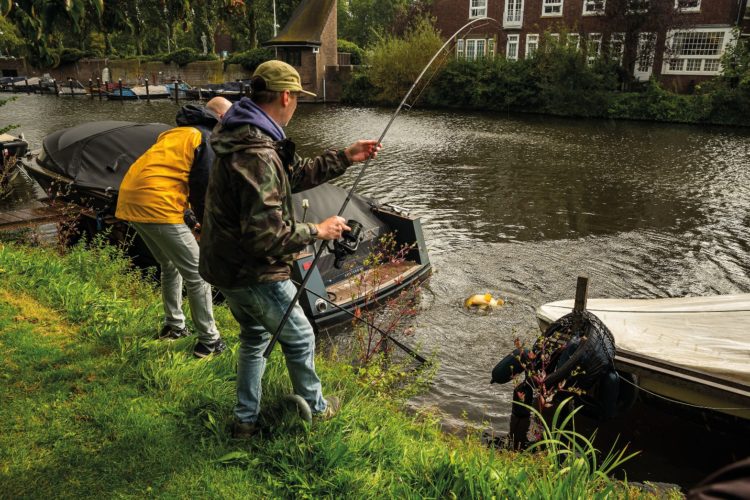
(86, 164)
(12, 149)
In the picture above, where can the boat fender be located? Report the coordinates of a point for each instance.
(484, 302)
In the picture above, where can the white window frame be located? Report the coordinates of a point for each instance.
(697, 8)
(532, 40)
(515, 42)
(703, 59)
(477, 8)
(552, 8)
(472, 49)
(593, 40)
(615, 40)
(646, 41)
(574, 37)
(513, 17)
(589, 7)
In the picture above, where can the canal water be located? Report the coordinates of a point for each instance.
(519, 206)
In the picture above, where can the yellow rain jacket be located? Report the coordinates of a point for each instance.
(155, 189)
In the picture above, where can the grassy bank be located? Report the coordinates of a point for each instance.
(94, 408)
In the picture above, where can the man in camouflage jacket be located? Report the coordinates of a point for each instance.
(250, 235)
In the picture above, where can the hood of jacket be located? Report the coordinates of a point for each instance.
(246, 112)
(193, 114)
(226, 141)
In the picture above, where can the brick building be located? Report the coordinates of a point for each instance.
(309, 43)
(679, 41)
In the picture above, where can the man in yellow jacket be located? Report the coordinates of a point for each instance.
(161, 185)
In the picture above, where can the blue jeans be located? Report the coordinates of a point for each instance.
(175, 249)
(258, 308)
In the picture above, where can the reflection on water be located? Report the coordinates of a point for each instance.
(520, 206)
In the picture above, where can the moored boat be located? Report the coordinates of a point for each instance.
(693, 350)
(85, 165)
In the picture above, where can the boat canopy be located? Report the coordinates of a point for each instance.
(98, 154)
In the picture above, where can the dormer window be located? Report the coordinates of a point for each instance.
(638, 6)
(477, 8)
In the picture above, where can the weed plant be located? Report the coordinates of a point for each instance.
(94, 407)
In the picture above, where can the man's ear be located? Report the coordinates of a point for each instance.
(285, 96)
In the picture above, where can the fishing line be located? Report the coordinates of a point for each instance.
(679, 402)
(411, 352)
(319, 252)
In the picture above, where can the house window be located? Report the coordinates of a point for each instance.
(490, 47)
(513, 13)
(593, 46)
(472, 48)
(638, 6)
(747, 12)
(644, 58)
(617, 47)
(574, 40)
(593, 7)
(511, 49)
(696, 51)
(532, 44)
(477, 8)
(291, 56)
(552, 7)
(688, 5)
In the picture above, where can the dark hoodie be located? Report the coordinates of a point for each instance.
(199, 117)
(249, 231)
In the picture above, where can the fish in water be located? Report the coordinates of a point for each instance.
(484, 302)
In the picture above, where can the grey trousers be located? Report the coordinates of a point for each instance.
(175, 249)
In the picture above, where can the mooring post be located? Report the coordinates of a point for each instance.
(91, 88)
(27, 85)
(119, 84)
(177, 92)
(148, 98)
(99, 87)
(70, 86)
(41, 89)
(57, 92)
(582, 292)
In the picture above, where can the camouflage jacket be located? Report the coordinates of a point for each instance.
(249, 232)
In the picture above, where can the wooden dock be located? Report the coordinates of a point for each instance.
(38, 213)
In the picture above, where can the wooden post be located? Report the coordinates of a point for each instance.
(41, 90)
(147, 92)
(70, 84)
(582, 292)
(27, 85)
(119, 84)
(91, 88)
(57, 92)
(177, 92)
(99, 87)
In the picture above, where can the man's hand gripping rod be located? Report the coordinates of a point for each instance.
(319, 252)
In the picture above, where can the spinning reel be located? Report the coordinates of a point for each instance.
(347, 244)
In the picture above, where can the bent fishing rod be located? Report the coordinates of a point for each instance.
(319, 252)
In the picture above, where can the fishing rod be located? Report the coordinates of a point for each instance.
(408, 350)
(319, 252)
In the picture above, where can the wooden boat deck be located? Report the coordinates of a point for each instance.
(39, 213)
(387, 275)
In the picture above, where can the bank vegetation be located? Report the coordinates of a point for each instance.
(94, 407)
(558, 79)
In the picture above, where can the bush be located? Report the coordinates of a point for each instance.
(359, 90)
(186, 55)
(70, 55)
(250, 59)
(357, 53)
(396, 62)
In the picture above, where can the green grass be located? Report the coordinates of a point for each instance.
(93, 407)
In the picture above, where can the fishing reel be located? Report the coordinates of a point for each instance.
(347, 244)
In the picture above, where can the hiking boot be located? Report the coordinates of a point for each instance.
(334, 404)
(204, 350)
(244, 430)
(169, 332)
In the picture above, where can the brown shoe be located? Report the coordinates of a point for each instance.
(244, 430)
(334, 404)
